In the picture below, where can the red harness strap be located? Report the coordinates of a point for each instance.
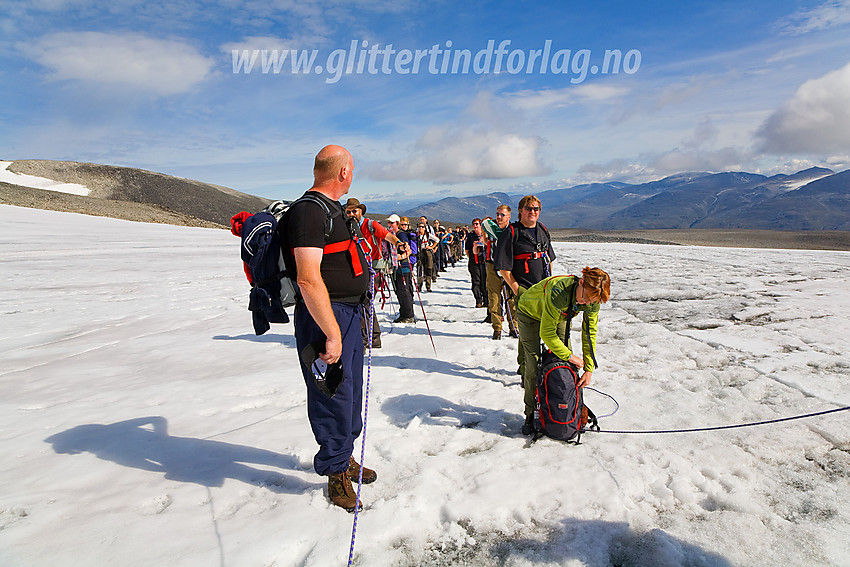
(351, 247)
(527, 257)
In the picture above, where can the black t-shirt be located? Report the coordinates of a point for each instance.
(521, 241)
(306, 227)
(476, 253)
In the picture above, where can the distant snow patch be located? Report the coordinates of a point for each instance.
(40, 182)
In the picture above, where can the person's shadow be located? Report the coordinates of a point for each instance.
(434, 410)
(144, 443)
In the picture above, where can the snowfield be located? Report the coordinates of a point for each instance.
(143, 423)
(40, 182)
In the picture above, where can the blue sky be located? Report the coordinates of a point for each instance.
(709, 86)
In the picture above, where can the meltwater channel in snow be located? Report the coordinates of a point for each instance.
(143, 423)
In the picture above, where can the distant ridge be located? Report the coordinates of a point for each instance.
(812, 199)
(815, 199)
(134, 194)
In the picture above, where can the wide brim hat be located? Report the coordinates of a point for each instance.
(352, 202)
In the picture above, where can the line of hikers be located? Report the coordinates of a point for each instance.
(509, 264)
(399, 250)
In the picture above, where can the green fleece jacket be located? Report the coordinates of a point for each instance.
(548, 301)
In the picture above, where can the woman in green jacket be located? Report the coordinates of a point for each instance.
(551, 303)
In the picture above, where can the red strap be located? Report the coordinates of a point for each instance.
(527, 257)
(351, 247)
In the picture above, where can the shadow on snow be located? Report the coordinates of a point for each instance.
(434, 410)
(144, 443)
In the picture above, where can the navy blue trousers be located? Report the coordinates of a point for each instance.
(336, 422)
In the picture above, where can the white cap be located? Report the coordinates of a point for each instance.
(393, 218)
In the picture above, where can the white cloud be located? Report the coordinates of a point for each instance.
(259, 42)
(454, 155)
(815, 119)
(134, 61)
(828, 14)
(554, 98)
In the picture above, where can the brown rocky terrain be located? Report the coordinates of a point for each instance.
(129, 193)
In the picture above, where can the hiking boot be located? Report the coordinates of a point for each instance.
(497, 335)
(513, 334)
(528, 426)
(341, 492)
(401, 319)
(369, 476)
(479, 305)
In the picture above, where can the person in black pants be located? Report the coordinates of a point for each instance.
(476, 247)
(403, 275)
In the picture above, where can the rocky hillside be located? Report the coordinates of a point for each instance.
(128, 193)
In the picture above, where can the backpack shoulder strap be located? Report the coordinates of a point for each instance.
(548, 239)
(331, 214)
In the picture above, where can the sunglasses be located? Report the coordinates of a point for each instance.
(532, 209)
(349, 212)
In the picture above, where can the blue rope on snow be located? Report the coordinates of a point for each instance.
(365, 408)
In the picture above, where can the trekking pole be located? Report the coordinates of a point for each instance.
(511, 324)
(423, 315)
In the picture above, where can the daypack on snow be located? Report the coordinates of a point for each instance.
(268, 262)
(561, 412)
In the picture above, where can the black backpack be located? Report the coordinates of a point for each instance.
(561, 413)
(269, 263)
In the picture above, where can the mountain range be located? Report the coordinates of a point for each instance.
(815, 199)
(812, 199)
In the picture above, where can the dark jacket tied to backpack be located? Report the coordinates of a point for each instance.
(260, 252)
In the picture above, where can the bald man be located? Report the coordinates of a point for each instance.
(332, 277)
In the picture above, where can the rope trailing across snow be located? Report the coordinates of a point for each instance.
(369, 329)
(719, 427)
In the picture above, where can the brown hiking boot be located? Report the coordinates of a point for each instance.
(341, 492)
(369, 476)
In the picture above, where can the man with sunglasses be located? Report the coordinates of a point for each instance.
(525, 249)
(524, 254)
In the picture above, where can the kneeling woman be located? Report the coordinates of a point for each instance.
(544, 312)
